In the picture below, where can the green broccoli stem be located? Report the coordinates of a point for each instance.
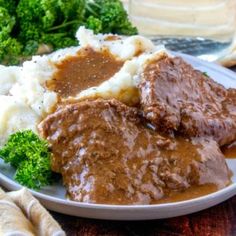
(90, 9)
(63, 25)
(57, 34)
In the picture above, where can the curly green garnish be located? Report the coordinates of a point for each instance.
(31, 157)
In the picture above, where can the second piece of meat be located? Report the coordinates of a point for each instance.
(176, 97)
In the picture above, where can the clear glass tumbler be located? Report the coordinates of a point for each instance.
(203, 28)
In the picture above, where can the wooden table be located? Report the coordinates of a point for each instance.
(216, 221)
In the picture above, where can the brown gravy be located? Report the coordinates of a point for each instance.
(230, 150)
(106, 155)
(190, 193)
(87, 69)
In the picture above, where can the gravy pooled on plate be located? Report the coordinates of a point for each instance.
(87, 69)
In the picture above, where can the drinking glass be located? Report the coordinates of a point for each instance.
(203, 28)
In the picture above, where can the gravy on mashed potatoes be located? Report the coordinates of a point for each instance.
(87, 69)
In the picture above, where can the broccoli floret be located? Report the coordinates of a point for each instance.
(72, 16)
(10, 51)
(29, 10)
(7, 21)
(59, 40)
(38, 12)
(30, 48)
(26, 24)
(50, 12)
(31, 157)
(113, 16)
(10, 5)
(49, 15)
(94, 24)
(50, 21)
(30, 31)
(72, 9)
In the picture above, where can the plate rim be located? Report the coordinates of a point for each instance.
(43, 196)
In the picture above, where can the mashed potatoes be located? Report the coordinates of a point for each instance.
(8, 78)
(26, 100)
(15, 116)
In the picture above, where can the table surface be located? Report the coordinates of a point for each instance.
(216, 221)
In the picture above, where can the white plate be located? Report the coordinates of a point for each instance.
(53, 197)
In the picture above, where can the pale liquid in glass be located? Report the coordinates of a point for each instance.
(203, 28)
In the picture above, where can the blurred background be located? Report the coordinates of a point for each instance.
(203, 28)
